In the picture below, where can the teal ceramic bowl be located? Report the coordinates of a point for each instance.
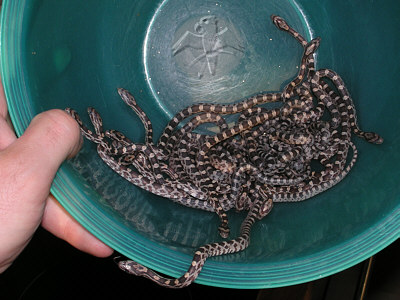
(70, 53)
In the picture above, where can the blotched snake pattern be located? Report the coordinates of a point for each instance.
(267, 156)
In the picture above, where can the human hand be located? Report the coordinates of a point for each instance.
(27, 168)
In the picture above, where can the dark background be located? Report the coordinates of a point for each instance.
(52, 269)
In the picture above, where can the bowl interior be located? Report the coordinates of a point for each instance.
(76, 54)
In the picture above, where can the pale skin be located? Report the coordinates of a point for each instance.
(28, 165)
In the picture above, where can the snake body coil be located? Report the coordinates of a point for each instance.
(267, 156)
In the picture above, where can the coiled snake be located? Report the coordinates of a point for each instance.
(267, 156)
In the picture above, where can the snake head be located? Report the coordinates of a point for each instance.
(280, 23)
(266, 205)
(265, 208)
(96, 136)
(374, 138)
(127, 97)
(133, 268)
(74, 115)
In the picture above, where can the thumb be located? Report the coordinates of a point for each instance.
(34, 158)
(27, 169)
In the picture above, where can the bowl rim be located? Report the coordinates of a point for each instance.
(267, 275)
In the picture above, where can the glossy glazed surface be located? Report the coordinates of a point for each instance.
(76, 54)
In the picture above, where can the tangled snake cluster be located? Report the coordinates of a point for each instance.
(285, 154)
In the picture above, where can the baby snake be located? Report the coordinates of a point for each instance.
(265, 157)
